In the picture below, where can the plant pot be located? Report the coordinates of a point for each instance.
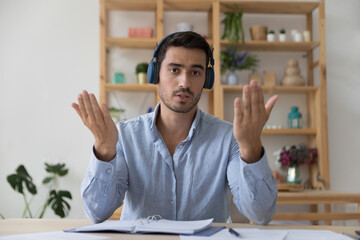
(270, 37)
(282, 37)
(232, 78)
(258, 33)
(142, 78)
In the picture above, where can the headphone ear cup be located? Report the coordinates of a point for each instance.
(151, 72)
(157, 73)
(209, 81)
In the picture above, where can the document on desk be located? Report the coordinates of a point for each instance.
(57, 235)
(146, 226)
(270, 234)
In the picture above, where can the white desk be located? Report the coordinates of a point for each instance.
(24, 226)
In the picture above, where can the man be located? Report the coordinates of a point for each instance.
(177, 161)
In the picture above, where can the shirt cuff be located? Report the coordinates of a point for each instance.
(260, 169)
(100, 169)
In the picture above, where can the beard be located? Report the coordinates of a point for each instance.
(184, 107)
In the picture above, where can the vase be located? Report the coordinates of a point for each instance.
(293, 176)
(232, 78)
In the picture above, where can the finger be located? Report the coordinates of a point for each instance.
(77, 109)
(246, 103)
(270, 104)
(106, 113)
(261, 100)
(88, 107)
(254, 99)
(238, 112)
(82, 107)
(96, 109)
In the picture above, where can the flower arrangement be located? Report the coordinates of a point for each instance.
(296, 155)
(234, 59)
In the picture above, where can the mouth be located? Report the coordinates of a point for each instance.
(182, 97)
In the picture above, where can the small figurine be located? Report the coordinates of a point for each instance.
(292, 74)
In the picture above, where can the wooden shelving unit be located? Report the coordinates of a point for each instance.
(316, 131)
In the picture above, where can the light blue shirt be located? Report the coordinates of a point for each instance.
(194, 184)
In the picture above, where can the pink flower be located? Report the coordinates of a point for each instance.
(297, 155)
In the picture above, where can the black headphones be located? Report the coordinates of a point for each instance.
(154, 67)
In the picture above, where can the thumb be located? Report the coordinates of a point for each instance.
(270, 104)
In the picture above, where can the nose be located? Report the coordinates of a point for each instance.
(184, 80)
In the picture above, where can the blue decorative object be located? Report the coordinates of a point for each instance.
(119, 78)
(293, 176)
(294, 118)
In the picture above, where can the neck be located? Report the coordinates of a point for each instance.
(174, 127)
(173, 122)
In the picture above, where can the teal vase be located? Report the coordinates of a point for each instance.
(293, 176)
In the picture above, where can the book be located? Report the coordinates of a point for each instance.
(148, 226)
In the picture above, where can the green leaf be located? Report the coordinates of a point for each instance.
(58, 169)
(47, 180)
(58, 204)
(21, 176)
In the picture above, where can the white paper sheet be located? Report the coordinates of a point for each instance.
(58, 235)
(269, 234)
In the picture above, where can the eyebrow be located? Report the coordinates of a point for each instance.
(182, 66)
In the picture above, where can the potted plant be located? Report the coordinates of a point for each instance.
(115, 113)
(234, 59)
(21, 181)
(233, 28)
(270, 37)
(141, 72)
(282, 35)
(294, 156)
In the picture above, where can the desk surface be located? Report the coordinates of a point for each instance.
(24, 226)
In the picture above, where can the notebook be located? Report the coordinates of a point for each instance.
(148, 226)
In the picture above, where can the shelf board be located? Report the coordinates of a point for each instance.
(131, 5)
(188, 5)
(206, 5)
(289, 131)
(131, 87)
(270, 7)
(272, 90)
(140, 43)
(275, 46)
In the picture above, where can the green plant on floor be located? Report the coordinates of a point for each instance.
(21, 180)
(233, 27)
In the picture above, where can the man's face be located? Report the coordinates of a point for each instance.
(182, 77)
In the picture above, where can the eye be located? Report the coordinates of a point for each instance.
(174, 70)
(196, 73)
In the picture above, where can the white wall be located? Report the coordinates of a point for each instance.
(49, 52)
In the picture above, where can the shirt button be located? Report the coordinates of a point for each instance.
(172, 202)
(181, 146)
(248, 172)
(108, 170)
(105, 194)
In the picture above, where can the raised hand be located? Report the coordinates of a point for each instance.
(99, 121)
(250, 116)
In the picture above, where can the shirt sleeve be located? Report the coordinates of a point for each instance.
(104, 186)
(253, 187)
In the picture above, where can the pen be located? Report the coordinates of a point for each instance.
(234, 233)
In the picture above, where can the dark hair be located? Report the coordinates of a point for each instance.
(186, 39)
